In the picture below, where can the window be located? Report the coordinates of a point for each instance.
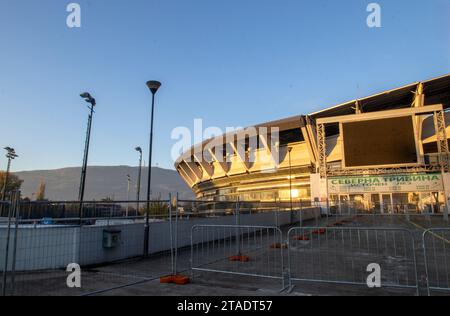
(291, 136)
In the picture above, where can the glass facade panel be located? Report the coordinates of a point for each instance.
(389, 203)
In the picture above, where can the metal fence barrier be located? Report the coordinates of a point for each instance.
(436, 247)
(8, 209)
(350, 215)
(341, 255)
(38, 239)
(45, 236)
(431, 212)
(35, 253)
(255, 251)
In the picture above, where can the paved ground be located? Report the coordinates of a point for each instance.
(332, 255)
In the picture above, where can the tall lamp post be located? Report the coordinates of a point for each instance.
(153, 86)
(290, 178)
(89, 99)
(128, 193)
(11, 155)
(138, 190)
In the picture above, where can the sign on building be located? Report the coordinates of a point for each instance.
(422, 182)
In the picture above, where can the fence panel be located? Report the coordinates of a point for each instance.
(255, 251)
(5, 225)
(109, 249)
(342, 255)
(436, 247)
(253, 213)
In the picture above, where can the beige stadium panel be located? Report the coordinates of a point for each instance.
(187, 174)
(263, 161)
(219, 171)
(299, 155)
(428, 130)
(195, 169)
(205, 175)
(334, 149)
(237, 166)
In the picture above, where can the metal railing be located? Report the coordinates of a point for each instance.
(436, 248)
(254, 251)
(158, 209)
(341, 255)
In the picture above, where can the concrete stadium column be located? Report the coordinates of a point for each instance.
(187, 174)
(204, 164)
(310, 144)
(240, 153)
(196, 171)
(419, 101)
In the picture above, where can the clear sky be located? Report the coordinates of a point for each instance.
(231, 63)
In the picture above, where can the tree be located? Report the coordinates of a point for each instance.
(40, 195)
(157, 208)
(14, 183)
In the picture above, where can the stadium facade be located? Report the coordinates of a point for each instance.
(382, 153)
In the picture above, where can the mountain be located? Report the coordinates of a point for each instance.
(102, 182)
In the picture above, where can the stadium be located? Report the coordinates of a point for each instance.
(384, 153)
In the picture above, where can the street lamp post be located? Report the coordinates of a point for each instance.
(128, 194)
(138, 190)
(89, 99)
(153, 86)
(11, 155)
(290, 178)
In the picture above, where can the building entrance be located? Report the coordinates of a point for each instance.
(388, 203)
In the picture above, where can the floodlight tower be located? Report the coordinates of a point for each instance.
(11, 155)
(89, 99)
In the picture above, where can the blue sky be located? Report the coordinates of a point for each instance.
(231, 63)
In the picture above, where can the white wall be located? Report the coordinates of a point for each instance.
(55, 247)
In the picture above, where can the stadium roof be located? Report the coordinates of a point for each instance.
(437, 91)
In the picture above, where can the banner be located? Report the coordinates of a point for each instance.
(422, 182)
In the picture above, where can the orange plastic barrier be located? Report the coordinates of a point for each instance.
(301, 238)
(241, 258)
(177, 279)
(278, 246)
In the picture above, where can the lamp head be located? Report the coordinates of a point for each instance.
(138, 149)
(88, 98)
(153, 85)
(11, 153)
